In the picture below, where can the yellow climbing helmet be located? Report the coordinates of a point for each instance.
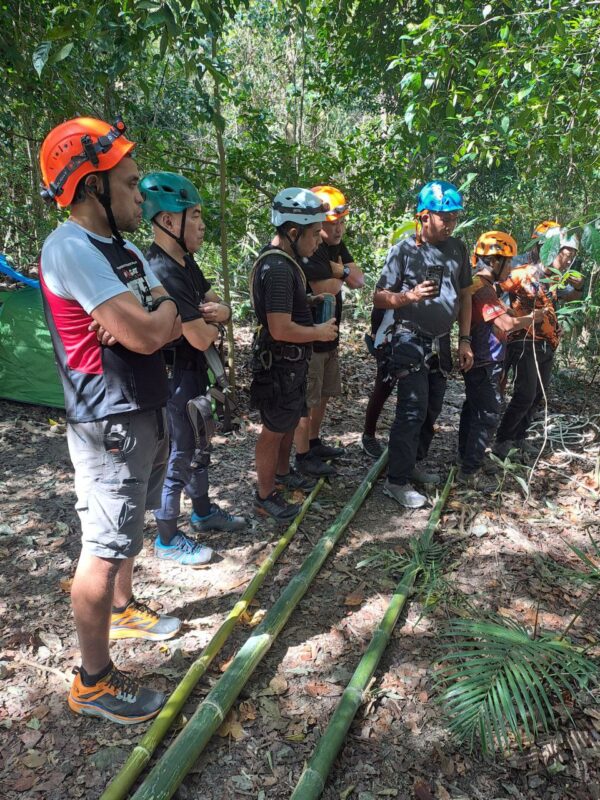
(494, 243)
(542, 230)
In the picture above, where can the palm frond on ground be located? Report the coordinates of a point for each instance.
(500, 686)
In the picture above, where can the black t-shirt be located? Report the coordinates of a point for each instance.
(318, 268)
(188, 286)
(278, 288)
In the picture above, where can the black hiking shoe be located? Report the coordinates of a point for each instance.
(275, 506)
(295, 480)
(311, 465)
(372, 446)
(324, 451)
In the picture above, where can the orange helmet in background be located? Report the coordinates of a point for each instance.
(77, 148)
(338, 207)
(494, 243)
(541, 231)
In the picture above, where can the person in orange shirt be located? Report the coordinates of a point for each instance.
(491, 322)
(530, 352)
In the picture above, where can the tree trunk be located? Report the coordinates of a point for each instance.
(223, 218)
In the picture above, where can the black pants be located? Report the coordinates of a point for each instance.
(527, 389)
(420, 400)
(381, 391)
(480, 414)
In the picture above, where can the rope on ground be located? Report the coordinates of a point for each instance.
(573, 436)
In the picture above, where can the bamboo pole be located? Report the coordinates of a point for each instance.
(169, 772)
(119, 788)
(311, 783)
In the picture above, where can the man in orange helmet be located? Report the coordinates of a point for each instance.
(109, 317)
(491, 322)
(327, 271)
(530, 351)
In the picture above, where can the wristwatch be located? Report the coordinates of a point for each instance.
(465, 338)
(164, 297)
(345, 272)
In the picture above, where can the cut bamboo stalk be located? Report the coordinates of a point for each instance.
(311, 783)
(176, 762)
(142, 753)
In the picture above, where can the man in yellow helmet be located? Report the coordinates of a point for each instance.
(491, 322)
(329, 268)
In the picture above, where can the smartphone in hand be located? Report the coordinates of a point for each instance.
(434, 273)
(325, 310)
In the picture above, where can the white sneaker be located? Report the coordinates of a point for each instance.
(427, 478)
(404, 494)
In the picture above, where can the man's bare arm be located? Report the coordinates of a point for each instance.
(135, 328)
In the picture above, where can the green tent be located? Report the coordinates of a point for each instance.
(28, 370)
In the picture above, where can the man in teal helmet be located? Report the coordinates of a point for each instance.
(424, 289)
(174, 205)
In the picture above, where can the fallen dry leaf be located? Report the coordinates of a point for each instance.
(231, 727)
(247, 711)
(278, 684)
(354, 599)
(33, 759)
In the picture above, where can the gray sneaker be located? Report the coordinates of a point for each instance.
(404, 494)
(426, 478)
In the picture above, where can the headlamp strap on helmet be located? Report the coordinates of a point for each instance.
(309, 211)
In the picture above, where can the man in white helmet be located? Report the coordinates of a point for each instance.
(283, 344)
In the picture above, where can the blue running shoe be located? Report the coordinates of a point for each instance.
(183, 551)
(217, 520)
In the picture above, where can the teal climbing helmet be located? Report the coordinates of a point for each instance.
(167, 191)
(439, 196)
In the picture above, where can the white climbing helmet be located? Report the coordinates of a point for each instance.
(567, 240)
(298, 205)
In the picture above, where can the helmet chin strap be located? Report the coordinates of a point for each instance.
(180, 239)
(293, 245)
(104, 199)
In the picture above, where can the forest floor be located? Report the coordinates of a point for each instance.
(498, 551)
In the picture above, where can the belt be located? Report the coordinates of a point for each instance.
(290, 352)
(411, 327)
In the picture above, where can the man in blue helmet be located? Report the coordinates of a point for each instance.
(174, 205)
(424, 289)
(283, 344)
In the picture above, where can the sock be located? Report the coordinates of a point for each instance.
(301, 456)
(167, 529)
(92, 680)
(121, 609)
(202, 506)
(314, 442)
(262, 499)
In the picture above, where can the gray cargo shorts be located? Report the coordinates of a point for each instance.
(120, 464)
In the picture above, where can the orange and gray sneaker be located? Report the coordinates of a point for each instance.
(116, 697)
(138, 621)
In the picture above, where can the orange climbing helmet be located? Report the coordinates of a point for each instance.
(77, 148)
(338, 207)
(542, 230)
(494, 243)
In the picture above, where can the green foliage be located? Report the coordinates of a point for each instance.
(500, 685)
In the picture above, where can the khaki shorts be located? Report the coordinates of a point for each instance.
(324, 378)
(120, 463)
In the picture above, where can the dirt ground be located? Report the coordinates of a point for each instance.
(399, 745)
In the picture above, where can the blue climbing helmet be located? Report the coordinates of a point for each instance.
(439, 196)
